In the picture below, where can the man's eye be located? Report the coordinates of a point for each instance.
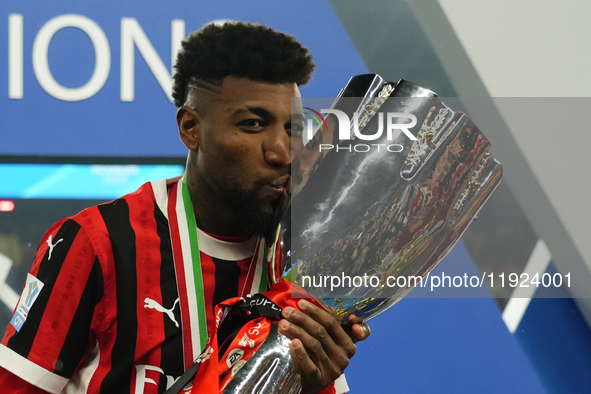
(253, 123)
(295, 129)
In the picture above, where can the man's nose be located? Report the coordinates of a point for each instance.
(278, 149)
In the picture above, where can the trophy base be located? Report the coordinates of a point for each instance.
(269, 371)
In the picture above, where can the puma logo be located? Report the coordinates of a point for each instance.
(51, 246)
(150, 303)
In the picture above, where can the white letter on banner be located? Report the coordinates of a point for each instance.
(15, 56)
(177, 35)
(102, 52)
(132, 33)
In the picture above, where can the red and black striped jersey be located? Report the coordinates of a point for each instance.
(107, 308)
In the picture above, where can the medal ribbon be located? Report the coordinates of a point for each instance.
(196, 259)
(185, 245)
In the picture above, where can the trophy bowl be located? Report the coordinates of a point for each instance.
(384, 188)
(389, 208)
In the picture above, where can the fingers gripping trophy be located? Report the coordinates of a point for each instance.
(384, 187)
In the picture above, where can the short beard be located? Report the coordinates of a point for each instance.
(253, 217)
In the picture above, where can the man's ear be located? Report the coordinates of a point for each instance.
(189, 124)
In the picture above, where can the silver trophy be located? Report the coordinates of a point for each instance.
(408, 177)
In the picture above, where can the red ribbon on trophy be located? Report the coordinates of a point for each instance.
(242, 325)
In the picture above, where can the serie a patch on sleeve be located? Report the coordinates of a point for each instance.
(30, 293)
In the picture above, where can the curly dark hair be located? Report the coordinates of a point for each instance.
(240, 49)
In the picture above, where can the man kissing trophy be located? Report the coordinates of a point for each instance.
(383, 189)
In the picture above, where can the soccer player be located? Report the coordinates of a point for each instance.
(120, 298)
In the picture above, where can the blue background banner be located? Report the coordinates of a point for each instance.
(107, 124)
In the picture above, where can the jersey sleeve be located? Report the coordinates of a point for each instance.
(53, 325)
(12, 384)
(340, 385)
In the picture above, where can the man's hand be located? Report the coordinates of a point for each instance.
(321, 347)
(355, 328)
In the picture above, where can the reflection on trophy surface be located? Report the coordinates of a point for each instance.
(386, 207)
(386, 195)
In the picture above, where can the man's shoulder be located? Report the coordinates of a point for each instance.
(124, 208)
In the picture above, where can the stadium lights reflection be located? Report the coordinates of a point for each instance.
(6, 206)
